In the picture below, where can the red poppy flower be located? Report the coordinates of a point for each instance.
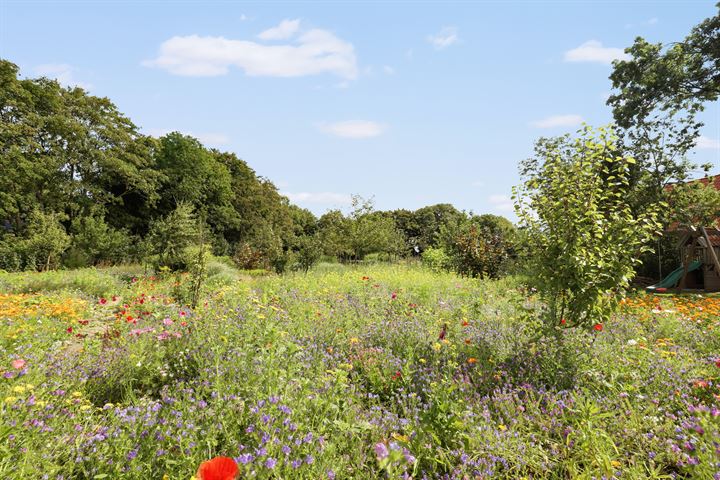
(562, 321)
(219, 468)
(103, 301)
(717, 363)
(598, 327)
(397, 375)
(393, 296)
(465, 323)
(69, 330)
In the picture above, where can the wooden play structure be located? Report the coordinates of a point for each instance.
(700, 251)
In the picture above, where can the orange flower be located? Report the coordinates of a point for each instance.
(219, 468)
(472, 360)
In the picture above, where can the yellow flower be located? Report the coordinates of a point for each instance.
(77, 394)
(436, 346)
(85, 408)
(19, 389)
(10, 400)
(399, 437)
(354, 340)
(502, 427)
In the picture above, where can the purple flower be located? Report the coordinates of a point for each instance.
(245, 458)
(270, 463)
(381, 451)
(331, 475)
(309, 459)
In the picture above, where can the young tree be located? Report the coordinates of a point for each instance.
(171, 235)
(584, 239)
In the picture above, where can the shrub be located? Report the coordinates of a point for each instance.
(583, 238)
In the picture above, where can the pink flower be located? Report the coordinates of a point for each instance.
(18, 363)
(167, 321)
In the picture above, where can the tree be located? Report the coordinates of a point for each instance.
(695, 204)
(476, 246)
(584, 239)
(677, 79)
(658, 93)
(362, 232)
(97, 242)
(45, 242)
(170, 236)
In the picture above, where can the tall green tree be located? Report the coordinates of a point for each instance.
(658, 93)
(583, 236)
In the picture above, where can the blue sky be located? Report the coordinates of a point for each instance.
(414, 103)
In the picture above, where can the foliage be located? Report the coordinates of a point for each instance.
(583, 237)
(695, 203)
(308, 252)
(437, 259)
(99, 242)
(658, 93)
(362, 232)
(44, 242)
(421, 228)
(479, 246)
(170, 237)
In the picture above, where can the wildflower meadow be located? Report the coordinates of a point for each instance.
(390, 371)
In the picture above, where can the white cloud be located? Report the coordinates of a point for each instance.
(502, 203)
(707, 143)
(558, 121)
(319, 197)
(388, 70)
(593, 51)
(353, 129)
(314, 52)
(652, 21)
(285, 30)
(444, 38)
(61, 72)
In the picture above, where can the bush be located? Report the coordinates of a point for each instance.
(170, 237)
(437, 259)
(98, 242)
(583, 238)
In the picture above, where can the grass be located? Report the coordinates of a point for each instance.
(373, 371)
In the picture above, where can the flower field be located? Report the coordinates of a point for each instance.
(363, 372)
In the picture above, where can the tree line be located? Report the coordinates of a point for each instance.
(81, 186)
